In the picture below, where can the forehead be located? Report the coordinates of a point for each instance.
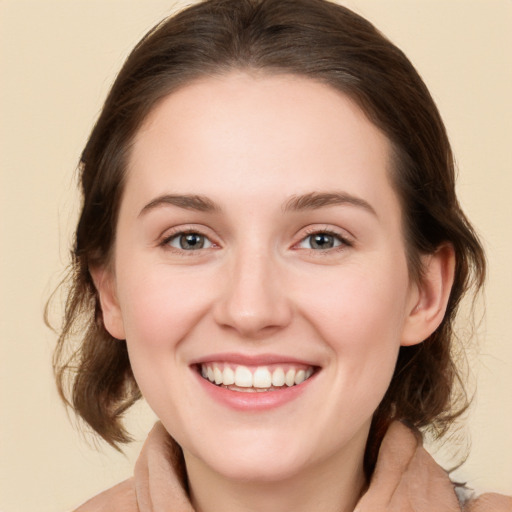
(246, 135)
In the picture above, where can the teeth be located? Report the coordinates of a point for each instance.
(300, 376)
(278, 377)
(261, 378)
(243, 377)
(290, 378)
(228, 376)
(217, 375)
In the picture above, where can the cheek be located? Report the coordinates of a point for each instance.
(159, 310)
(360, 316)
(158, 313)
(360, 306)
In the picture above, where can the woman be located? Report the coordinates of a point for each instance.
(271, 251)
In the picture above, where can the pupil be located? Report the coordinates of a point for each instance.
(322, 241)
(192, 241)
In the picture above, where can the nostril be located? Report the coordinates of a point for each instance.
(253, 321)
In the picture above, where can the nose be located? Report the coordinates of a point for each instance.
(253, 300)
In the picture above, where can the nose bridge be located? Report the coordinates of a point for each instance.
(254, 301)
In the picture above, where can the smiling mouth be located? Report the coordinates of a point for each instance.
(255, 378)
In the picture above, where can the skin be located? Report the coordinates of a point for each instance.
(250, 144)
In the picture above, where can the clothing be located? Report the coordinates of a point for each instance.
(406, 479)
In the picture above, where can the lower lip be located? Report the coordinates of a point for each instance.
(253, 400)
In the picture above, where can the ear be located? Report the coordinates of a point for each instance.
(430, 297)
(104, 281)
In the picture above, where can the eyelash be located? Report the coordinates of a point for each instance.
(344, 242)
(165, 243)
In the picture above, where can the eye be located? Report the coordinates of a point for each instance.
(322, 240)
(188, 241)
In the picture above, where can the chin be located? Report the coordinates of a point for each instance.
(269, 469)
(256, 456)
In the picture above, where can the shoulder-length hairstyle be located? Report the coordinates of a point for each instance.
(319, 40)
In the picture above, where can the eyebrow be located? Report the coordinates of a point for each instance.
(316, 200)
(310, 201)
(188, 202)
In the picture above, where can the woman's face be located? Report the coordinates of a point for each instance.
(259, 244)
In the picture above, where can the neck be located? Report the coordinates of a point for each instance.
(333, 485)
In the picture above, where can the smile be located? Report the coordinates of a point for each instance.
(255, 378)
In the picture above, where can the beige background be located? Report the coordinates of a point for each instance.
(58, 59)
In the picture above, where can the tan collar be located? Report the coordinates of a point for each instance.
(406, 478)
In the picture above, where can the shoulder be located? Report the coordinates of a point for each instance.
(490, 502)
(407, 478)
(158, 481)
(120, 498)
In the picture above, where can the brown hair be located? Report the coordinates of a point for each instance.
(311, 38)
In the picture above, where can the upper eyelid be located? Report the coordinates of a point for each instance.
(343, 234)
(169, 233)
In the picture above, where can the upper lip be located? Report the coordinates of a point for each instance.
(251, 359)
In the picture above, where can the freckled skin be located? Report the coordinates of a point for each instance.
(260, 284)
